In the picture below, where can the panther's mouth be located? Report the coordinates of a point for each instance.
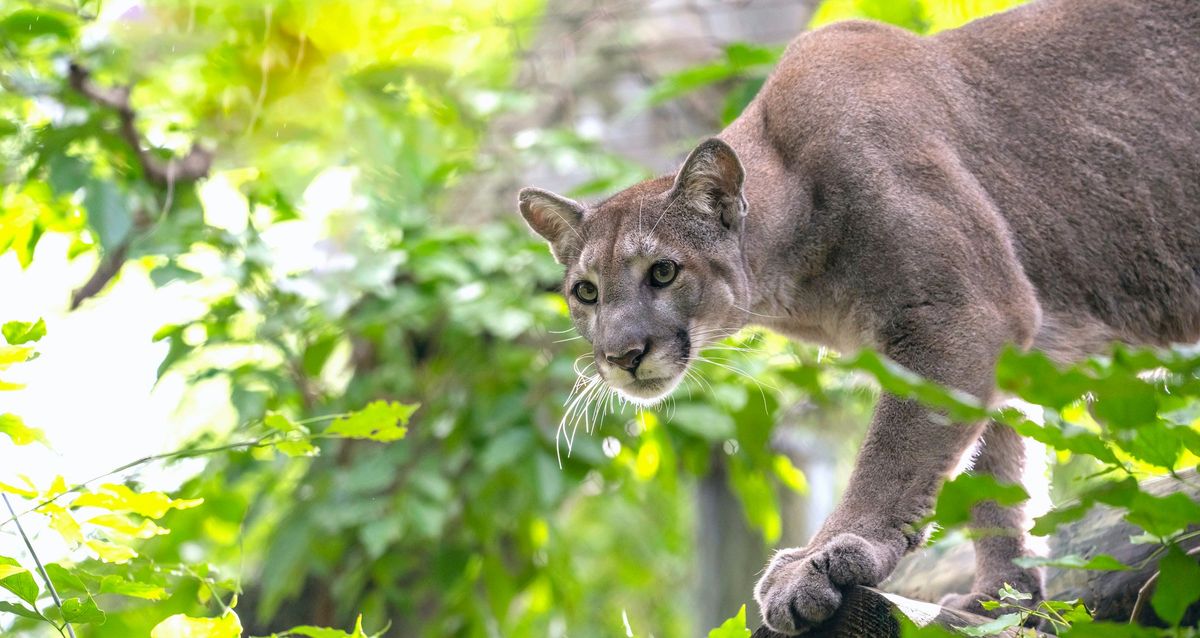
(647, 392)
(656, 377)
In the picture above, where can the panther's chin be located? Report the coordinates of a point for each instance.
(648, 392)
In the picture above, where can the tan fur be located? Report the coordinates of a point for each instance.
(1032, 178)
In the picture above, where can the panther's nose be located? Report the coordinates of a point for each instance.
(630, 359)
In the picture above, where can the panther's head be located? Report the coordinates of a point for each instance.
(654, 273)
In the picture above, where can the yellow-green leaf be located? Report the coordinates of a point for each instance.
(145, 528)
(82, 611)
(13, 354)
(111, 552)
(791, 475)
(18, 332)
(21, 434)
(119, 498)
(733, 628)
(325, 632)
(29, 492)
(281, 423)
(183, 626)
(379, 421)
(62, 522)
(19, 582)
(117, 585)
(297, 447)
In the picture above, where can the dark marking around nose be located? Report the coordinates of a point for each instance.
(630, 359)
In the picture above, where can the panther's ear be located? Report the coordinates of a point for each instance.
(711, 181)
(555, 218)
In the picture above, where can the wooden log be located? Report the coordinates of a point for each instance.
(935, 572)
(869, 613)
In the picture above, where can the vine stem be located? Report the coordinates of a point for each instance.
(41, 569)
(259, 442)
(262, 441)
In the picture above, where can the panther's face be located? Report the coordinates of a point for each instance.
(654, 273)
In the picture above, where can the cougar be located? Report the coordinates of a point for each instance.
(1031, 178)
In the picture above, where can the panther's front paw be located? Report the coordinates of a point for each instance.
(801, 587)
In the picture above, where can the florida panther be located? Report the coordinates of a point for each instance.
(1031, 178)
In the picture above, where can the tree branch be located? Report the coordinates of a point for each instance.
(191, 167)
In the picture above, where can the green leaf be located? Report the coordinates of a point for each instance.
(315, 632)
(183, 626)
(296, 440)
(281, 423)
(21, 434)
(733, 628)
(1154, 444)
(379, 421)
(297, 447)
(1033, 377)
(1109, 630)
(75, 610)
(505, 448)
(1161, 515)
(64, 581)
(688, 80)
(325, 632)
(20, 582)
(704, 420)
(1099, 562)
(108, 213)
(907, 384)
(18, 332)
(28, 24)
(1125, 401)
(1008, 592)
(114, 584)
(758, 500)
(1116, 493)
(1082, 443)
(20, 610)
(119, 498)
(962, 493)
(1178, 585)
(997, 626)
(742, 55)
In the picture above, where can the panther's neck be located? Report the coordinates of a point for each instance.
(787, 240)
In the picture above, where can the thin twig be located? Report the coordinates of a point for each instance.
(1144, 591)
(262, 441)
(41, 569)
(259, 442)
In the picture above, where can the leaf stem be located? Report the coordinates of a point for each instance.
(41, 569)
(262, 441)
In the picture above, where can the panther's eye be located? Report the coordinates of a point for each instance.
(662, 273)
(586, 292)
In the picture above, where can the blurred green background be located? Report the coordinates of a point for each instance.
(348, 235)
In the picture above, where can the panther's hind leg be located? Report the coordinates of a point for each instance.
(1002, 530)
